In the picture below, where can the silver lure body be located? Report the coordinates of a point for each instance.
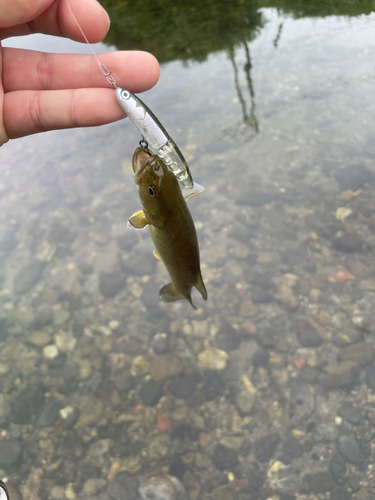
(158, 139)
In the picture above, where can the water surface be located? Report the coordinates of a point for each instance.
(265, 391)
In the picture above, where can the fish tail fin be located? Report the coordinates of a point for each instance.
(169, 293)
(199, 285)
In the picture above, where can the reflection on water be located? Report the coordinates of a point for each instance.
(248, 117)
(266, 391)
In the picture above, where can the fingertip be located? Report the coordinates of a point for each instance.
(135, 70)
(91, 17)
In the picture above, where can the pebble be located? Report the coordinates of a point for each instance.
(200, 328)
(265, 447)
(60, 316)
(58, 492)
(43, 317)
(50, 351)
(92, 486)
(96, 451)
(85, 267)
(124, 487)
(348, 334)
(320, 482)
(5, 409)
(160, 343)
(370, 377)
(202, 461)
(362, 353)
(300, 392)
(224, 458)
(27, 278)
(164, 366)
(69, 416)
(363, 494)
(214, 359)
(162, 488)
(91, 410)
(110, 284)
(10, 452)
(184, 385)
(337, 467)
(350, 413)
(140, 264)
(228, 340)
(345, 242)
(348, 446)
(353, 177)
(292, 448)
(287, 298)
(283, 478)
(307, 335)
(49, 414)
(160, 447)
(245, 402)
(213, 385)
(150, 393)
(39, 338)
(339, 374)
(65, 341)
(85, 369)
(140, 366)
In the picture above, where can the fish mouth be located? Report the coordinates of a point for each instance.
(139, 159)
(144, 164)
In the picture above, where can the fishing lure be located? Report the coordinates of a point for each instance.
(4, 495)
(155, 135)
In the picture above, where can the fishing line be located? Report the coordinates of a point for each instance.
(107, 74)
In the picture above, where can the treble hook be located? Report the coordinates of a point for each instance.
(144, 145)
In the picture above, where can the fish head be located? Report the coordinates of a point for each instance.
(158, 187)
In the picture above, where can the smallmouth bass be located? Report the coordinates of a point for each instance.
(170, 224)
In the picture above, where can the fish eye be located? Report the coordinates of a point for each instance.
(125, 94)
(151, 191)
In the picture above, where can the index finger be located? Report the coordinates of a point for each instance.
(31, 70)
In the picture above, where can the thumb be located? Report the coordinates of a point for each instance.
(15, 12)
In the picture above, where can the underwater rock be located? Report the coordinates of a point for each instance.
(10, 452)
(214, 359)
(110, 284)
(27, 278)
(163, 488)
(265, 446)
(348, 446)
(151, 392)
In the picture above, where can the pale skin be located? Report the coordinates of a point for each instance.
(41, 91)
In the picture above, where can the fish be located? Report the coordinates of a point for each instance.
(167, 216)
(153, 132)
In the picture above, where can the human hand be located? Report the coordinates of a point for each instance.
(41, 91)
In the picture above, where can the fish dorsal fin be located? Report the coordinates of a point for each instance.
(138, 220)
(199, 285)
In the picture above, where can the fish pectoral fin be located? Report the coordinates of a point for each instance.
(157, 255)
(199, 285)
(169, 293)
(187, 193)
(138, 220)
